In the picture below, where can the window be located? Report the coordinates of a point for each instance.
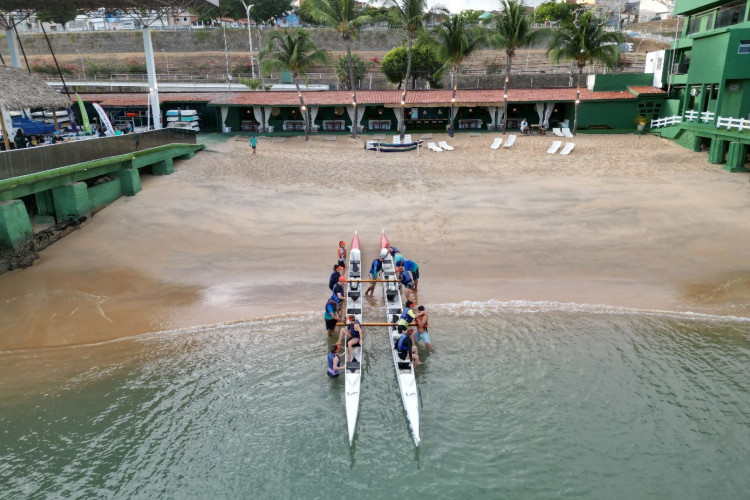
(730, 15)
(694, 25)
(744, 47)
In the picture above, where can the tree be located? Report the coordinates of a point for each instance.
(584, 40)
(263, 10)
(456, 40)
(295, 52)
(342, 69)
(553, 11)
(409, 16)
(424, 65)
(511, 30)
(346, 19)
(58, 15)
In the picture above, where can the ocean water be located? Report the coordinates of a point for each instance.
(520, 400)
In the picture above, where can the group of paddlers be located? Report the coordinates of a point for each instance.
(412, 325)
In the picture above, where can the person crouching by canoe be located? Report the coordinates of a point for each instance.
(342, 253)
(406, 281)
(406, 347)
(413, 268)
(422, 320)
(353, 331)
(334, 362)
(375, 269)
(394, 253)
(331, 316)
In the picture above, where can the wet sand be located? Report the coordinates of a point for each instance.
(622, 221)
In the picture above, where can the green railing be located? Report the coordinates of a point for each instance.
(18, 162)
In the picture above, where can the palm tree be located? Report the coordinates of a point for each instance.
(584, 40)
(456, 40)
(410, 16)
(511, 30)
(294, 52)
(343, 16)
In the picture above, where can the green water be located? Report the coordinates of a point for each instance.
(520, 401)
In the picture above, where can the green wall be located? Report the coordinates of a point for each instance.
(705, 66)
(621, 81)
(736, 103)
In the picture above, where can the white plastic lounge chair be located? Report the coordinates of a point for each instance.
(498, 142)
(566, 133)
(511, 141)
(445, 146)
(396, 139)
(431, 145)
(554, 147)
(557, 132)
(407, 138)
(568, 148)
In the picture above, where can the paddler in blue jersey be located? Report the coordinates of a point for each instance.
(353, 331)
(394, 253)
(406, 347)
(331, 316)
(334, 362)
(375, 269)
(413, 268)
(406, 281)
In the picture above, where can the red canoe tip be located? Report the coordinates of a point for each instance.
(355, 242)
(384, 241)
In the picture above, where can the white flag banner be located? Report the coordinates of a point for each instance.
(104, 119)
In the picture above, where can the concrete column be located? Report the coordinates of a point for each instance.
(71, 201)
(163, 167)
(153, 85)
(15, 225)
(130, 181)
(10, 37)
(716, 154)
(736, 157)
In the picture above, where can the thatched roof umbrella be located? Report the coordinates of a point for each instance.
(19, 90)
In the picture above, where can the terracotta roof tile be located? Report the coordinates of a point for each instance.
(439, 97)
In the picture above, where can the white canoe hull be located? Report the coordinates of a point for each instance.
(353, 370)
(407, 382)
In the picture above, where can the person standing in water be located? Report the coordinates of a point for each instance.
(375, 269)
(422, 320)
(334, 362)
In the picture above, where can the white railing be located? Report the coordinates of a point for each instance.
(705, 116)
(665, 122)
(730, 123)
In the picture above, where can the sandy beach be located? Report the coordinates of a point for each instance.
(623, 221)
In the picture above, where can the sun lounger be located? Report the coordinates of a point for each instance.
(407, 138)
(557, 132)
(498, 142)
(445, 146)
(510, 142)
(566, 133)
(432, 146)
(568, 148)
(554, 147)
(396, 139)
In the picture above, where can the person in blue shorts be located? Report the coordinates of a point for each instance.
(331, 316)
(422, 320)
(375, 269)
(334, 362)
(413, 268)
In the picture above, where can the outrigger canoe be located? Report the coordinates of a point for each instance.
(407, 382)
(353, 368)
(387, 147)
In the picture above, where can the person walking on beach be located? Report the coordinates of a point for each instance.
(375, 268)
(331, 316)
(334, 362)
(423, 321)
(342, 253)
(253, 143)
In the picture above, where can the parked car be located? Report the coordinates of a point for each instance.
(655, 18)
